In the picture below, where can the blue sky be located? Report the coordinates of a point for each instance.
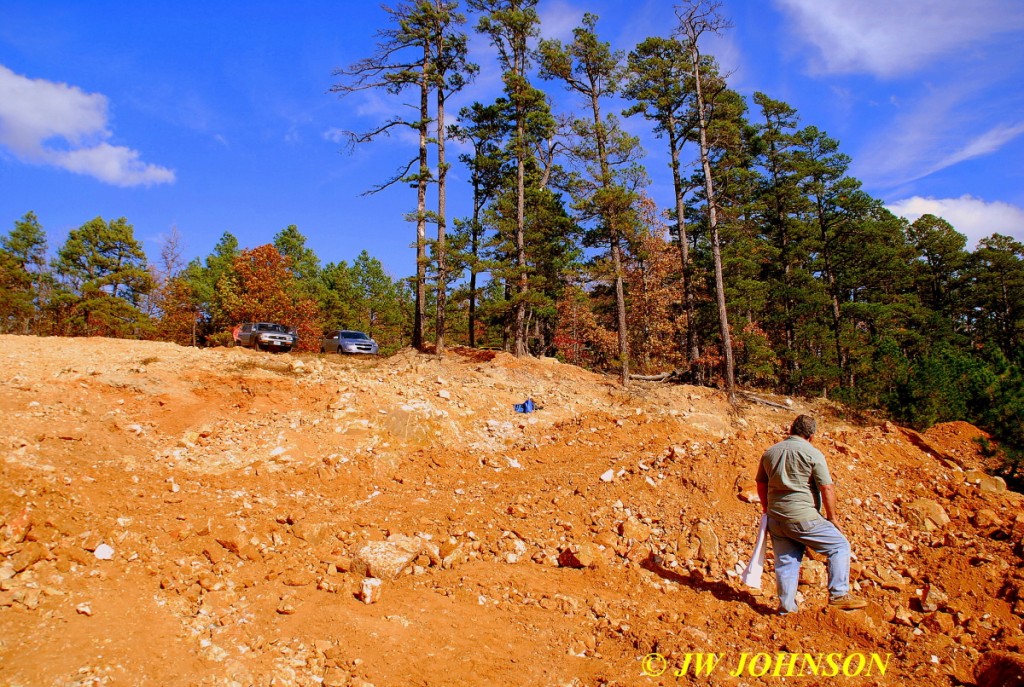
(213, 117)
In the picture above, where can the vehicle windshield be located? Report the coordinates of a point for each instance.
(268, 327)
(354, 335)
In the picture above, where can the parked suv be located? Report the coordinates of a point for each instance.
(265, 336)
(346, 341)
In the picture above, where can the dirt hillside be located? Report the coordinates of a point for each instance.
(174, 516)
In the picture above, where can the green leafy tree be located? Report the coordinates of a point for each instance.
(606, 189)
(697, 19)
(379, 303)
(339, 302)
(484, 128)
(203, 279)
(511, 25)
(995, 292)
(24, 281)
(659, 82)
(104, 275)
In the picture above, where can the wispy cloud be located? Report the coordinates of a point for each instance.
(988, 142)
(933, 133)
(888, 38)
(972, 217)
(43, 122)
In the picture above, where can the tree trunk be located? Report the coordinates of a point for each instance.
(442, 267)
(521, 348)
(472, 293)
(716, 249)
(830, 277)
(692, 347)
(419, 319)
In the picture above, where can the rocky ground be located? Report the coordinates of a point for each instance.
(174, 516)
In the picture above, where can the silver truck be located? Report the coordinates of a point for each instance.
(265, 336)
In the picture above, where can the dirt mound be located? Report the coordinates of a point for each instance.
(179, 516)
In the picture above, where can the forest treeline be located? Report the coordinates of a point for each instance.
(767, 266)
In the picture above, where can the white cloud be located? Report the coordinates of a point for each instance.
(972, 217)
(43, 122)
(889, 38)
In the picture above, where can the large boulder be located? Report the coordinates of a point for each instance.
(925, 515)
(386, 560)
(987, 483)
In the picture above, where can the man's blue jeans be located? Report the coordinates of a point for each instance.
(791, 539)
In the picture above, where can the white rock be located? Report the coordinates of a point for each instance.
(370, 590)
(608, 476)
(104, 552)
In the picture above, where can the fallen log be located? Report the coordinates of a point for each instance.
(674, 375)
(758, 399)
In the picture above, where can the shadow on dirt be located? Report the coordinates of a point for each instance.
(720, 590)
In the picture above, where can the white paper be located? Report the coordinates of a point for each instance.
(751, 575)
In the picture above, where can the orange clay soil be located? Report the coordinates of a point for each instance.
(174, 516)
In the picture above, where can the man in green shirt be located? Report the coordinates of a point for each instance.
(793, 483)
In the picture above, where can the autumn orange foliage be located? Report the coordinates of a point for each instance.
(262, 288)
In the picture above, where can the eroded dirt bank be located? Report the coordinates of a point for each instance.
(174, 516)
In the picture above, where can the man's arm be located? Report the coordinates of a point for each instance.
(828, 499)
(762, 494)
(762, 485)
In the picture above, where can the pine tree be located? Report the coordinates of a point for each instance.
(606, 188)
(339, 304)
(380, 310)
(780, 210)
(402, 62)
(511, 25)
(202, 278)
(104, 275)
(450, 71)
(484, 128)
(696, 19)
(24, 281)
(939, 269)
(659, 71)
(995, 292)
